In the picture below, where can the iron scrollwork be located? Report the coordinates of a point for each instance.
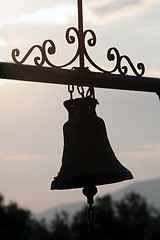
(48, 47)
(39, 61)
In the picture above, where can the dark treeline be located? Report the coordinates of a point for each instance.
(130, 218)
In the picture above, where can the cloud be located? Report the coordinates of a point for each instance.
(109, 11)
(152, 29)
(23, 157)
(2, 43)
(59, 14)
(154, 72)
(149, 151)
(143, 161)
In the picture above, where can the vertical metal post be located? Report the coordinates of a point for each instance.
(81, 38)
(90, 192)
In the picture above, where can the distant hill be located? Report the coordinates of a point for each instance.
(70, 208)
(150, 190)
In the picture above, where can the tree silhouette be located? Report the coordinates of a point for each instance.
(134, 216)
(79, 225)
(105, 218)
(60, 227)
(129, 218)
(18, 224)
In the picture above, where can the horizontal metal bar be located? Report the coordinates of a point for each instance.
(78, 77)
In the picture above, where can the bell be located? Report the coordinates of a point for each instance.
(88, 159)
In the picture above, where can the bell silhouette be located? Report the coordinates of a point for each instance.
(88, 159)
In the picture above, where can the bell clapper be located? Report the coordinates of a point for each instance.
(90, 192)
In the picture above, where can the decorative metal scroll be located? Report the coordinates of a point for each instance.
(48, 48)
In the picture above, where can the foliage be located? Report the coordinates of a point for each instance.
(129, 218)
(17, 224)
(59, 227)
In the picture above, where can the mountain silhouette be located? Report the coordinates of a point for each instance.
(149, 189)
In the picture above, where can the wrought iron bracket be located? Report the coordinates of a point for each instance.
(81, 75)
(78, 77)
(48, 48)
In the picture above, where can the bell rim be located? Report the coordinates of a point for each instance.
(66, 181)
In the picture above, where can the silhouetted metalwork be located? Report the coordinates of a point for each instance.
(78, 77)
(48, 47)
(59, 75)
(88, 159)
(90, 192)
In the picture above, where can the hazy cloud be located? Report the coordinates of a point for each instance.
(2, 43)
(154, 72)
(23, 157)
(109, 11)
(143, 161)
(59, 14)
(149, 151)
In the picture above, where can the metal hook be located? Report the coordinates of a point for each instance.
(71, 90)
(90, 92)
(81, 91)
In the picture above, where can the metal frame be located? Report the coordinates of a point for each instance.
(80, 75)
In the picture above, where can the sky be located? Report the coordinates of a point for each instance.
(32, 114)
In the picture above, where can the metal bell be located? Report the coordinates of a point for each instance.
(88, 159)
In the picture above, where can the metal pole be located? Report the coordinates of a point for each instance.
(77, 77)
(81, 38)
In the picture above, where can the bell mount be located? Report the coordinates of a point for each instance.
(56, 74)
(48, 48)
